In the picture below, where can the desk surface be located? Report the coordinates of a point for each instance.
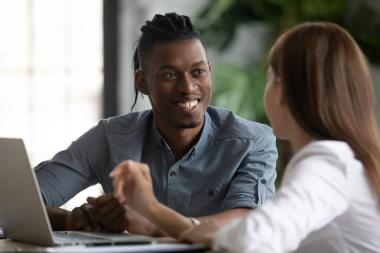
(7, 245)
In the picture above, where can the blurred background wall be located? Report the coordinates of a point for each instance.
(65, 64)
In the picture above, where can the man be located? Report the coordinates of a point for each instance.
(205, 161)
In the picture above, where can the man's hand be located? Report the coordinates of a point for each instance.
(114, 217)
(109, 213)
(82, 218)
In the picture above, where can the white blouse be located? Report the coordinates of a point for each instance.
(325, 204)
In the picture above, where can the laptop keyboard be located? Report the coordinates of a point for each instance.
(70, 238)
(83, 238)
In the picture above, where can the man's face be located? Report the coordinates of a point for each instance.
(178, 82)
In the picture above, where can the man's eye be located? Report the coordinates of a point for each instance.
(170, 75)
(199, 72)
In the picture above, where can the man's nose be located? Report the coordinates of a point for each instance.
(187, 83)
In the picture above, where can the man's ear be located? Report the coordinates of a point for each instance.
(140, 83)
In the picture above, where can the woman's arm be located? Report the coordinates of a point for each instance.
(314, 191)
(133, 187)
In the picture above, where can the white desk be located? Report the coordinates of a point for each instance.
(7, 245)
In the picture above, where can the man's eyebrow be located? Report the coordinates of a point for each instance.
(166, 67)
(174, 68)
(199, 63)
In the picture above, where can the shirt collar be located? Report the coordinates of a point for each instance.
(201, 144)
(157, 139)
(159, 142)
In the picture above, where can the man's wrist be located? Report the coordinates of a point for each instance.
(67, 220)
(58, 217)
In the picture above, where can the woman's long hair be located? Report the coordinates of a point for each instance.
(328, 88)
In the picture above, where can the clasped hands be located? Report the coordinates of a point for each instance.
(132, 185)
(130, 207)
(106, 214)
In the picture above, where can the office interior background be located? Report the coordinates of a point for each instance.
(66, 64)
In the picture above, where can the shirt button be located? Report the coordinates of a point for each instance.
(172, 173)
(263, 181)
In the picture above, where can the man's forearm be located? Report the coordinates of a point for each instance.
(58, 217)
(227, 216)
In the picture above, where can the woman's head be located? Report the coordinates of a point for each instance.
(327, 87)
(325, 79)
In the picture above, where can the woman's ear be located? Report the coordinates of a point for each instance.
(140, 83)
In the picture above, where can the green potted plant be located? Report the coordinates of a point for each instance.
(240, 87)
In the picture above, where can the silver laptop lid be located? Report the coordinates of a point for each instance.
(22, 212)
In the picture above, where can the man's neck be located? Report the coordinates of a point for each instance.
(180, 140)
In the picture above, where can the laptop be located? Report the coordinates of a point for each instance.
(22, 211)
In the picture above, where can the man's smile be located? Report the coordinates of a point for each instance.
(187, 103)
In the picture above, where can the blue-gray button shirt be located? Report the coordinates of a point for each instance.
(232, 165)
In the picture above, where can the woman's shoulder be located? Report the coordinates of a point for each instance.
(338, 152)
(324, 159)
(326, 147)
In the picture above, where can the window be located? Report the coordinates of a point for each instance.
(51, 72)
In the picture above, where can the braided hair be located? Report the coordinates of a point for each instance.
(167, 28)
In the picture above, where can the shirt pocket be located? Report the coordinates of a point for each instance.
(208, 200)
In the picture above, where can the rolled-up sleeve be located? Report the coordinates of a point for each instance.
(73, 169)
(253, 181)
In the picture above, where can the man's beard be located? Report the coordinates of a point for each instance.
(187, 125)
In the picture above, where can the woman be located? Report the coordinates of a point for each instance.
(319, 96)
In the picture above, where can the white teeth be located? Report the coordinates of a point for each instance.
(188, 104)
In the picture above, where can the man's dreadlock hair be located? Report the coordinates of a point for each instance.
(167, 28)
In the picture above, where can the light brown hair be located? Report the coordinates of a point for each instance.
(328, 88)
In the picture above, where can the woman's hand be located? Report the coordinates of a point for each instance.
(133, 186)
(203, 233)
